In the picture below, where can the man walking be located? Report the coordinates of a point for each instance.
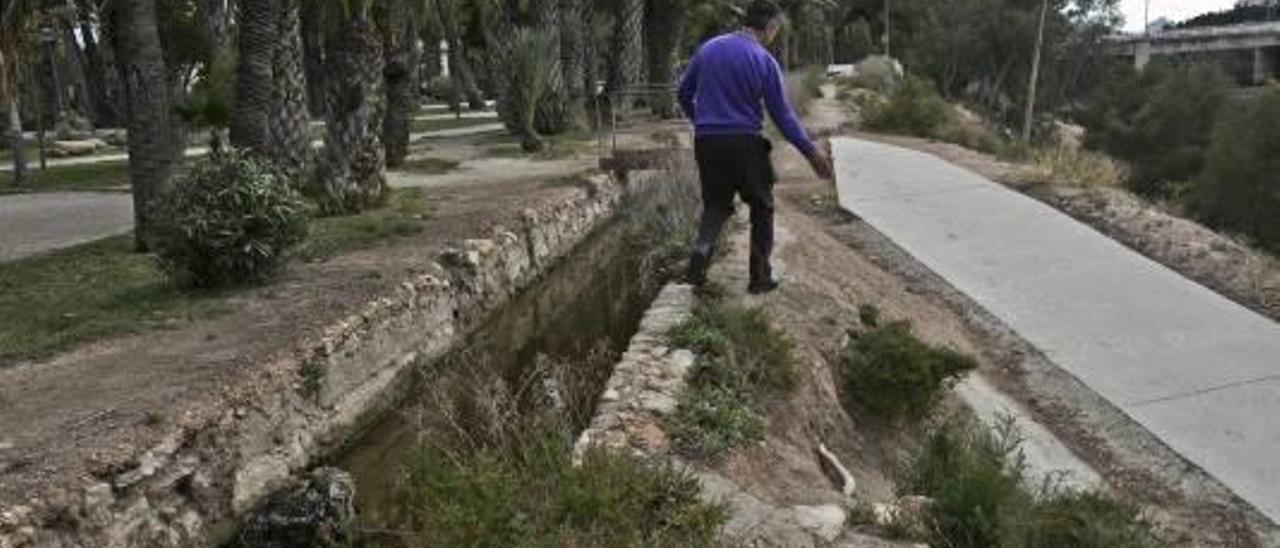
(722, 91)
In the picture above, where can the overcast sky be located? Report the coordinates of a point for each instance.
(1176, 10)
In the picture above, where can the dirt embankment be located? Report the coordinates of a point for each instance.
(163, 438)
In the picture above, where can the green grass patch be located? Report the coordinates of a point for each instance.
(975, 476)
(533, 495)
(421, 126)
(50, 302)
(497, 470)
(93, 176)
(892, 375)
(743, 362)
(428, 165)
(404, 214)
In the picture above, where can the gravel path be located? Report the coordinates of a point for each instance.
(42, 222)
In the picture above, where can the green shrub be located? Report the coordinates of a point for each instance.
(1240, 186)
(1160, 122)
(894, 375)
(742, 362)
(975, 477)
(914, 108)
(231, 220)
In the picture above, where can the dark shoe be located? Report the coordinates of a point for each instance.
(760, 288)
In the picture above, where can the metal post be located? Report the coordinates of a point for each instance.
(1035, 74)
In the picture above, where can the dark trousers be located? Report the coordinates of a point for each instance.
(730, 165)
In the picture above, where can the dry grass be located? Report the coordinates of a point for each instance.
(1069, 166)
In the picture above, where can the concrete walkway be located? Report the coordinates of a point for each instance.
(1197, 370)
(37, 223)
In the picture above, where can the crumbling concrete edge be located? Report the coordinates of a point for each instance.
(214, 465)
(643, 390)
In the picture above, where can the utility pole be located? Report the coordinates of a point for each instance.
(1035, 74)
(1146, 19)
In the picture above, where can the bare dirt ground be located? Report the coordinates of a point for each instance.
(91, 411)
(830, 263)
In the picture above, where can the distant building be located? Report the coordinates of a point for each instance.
(1160, 25)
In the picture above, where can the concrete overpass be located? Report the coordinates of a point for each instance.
(1250, 53)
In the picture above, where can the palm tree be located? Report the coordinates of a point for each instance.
(573, 57)
(628, 41)
(12, 19)
(553, 103)
(151, 127)
(290, 140)
(399, 23)
(459, 67)
(253, 98)
(664, 27)
(353, 175)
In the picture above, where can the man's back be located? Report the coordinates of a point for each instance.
(730, 82)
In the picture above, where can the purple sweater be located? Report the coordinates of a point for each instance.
(725, 84)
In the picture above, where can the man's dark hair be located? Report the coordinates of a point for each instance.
(760, 13)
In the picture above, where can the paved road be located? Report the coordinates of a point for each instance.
(36, 223)
(1197, 370)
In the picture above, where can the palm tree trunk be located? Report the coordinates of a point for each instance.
(253, 96)
(151, 129)
(354, 175)
(590, 56)
(399, 33)
(313, 58)
(551, 117)
(573, 48)
(213, 19)
(103, 78)
(459, 68)
(290, 139)
(75, 64)
(10, 96)
(664, 25)
(628, 42)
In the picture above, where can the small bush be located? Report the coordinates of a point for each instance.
(975, 477)
(1076, 167)
(742, 362)
(231, 220)
(914, 108)
(894, 375)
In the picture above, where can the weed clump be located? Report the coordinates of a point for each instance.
(975, 478)
(893, 375)
(742, 362)
(499, 470)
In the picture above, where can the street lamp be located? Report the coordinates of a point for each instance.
(49, 39)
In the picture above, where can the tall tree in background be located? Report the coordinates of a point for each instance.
(573, 58)
(257, 22)
(627, 62)
(399, 23)
(13, 19)
(152, 131)
(664, 28)
(105, 90)
(353, 174)
(459, 66)
(553, 106)
(287, 121)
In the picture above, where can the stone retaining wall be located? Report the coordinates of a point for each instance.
(217, 464)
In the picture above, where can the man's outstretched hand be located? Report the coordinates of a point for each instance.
(821, 164)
